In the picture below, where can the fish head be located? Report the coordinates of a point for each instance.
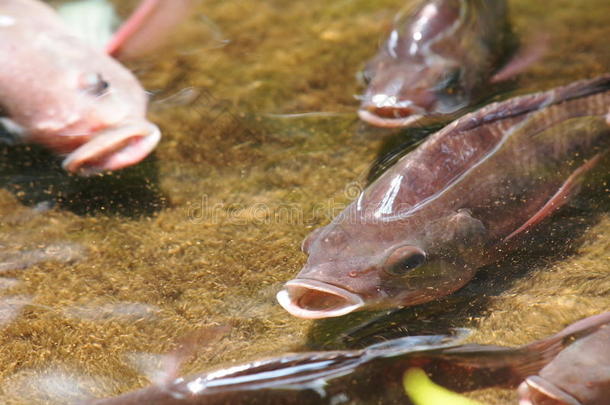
(419, 70)
(374, 266)
(536, 390)
(89, 108)
(400, 93)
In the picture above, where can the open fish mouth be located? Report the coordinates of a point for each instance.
(389, 118)
(536, 390)
(113, 149)
(311, 299)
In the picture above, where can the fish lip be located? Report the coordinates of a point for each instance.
(296, 289)
(544, 387)
(374, 119)
(113, 148)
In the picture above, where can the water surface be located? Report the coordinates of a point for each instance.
(101, 276)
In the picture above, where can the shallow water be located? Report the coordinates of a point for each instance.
(100, 277)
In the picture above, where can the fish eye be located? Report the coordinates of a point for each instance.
(403, 260)
(367, 76)
(450, 84)
(94, 83)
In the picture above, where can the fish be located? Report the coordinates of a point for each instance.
(68, 96)
(578, 375)
(462, 199)
(437, 60)
(361, 376)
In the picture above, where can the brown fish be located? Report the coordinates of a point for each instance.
(370, 375)
(437, 60)
(424, 227)
(579, 375)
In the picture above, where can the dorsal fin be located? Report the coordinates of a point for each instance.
(459, 147)
(528, 103)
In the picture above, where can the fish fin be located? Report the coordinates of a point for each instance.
(93, 21)
(523, 59)
(567, 189)
(187, 348)
(11, 133)
(147, 27)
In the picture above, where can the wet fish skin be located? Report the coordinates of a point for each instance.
(68, 96)
(437, 60)
(579, 375)
(370, 375)
(457, 202)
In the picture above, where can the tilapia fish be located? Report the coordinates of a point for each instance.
(59, 92)
(369, 376)
(579, 375)
(437, 60)
(454, 204)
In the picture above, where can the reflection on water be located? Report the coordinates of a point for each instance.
(10, 306)
(260, 146)
(57, 252)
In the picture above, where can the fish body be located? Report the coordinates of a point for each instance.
(370, 375)
(454, 204)
(59, 92)
(579, 375)
(436, 61)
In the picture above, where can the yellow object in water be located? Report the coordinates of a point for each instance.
(422, 391)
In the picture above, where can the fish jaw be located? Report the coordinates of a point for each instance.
(298, 295)
(113, 149)
(391, 110)
(536, 390)
(385, 122)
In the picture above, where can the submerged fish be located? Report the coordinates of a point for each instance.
(437, 60)
(58, 91)
(370, 375)
(454, 204)
(579, 375)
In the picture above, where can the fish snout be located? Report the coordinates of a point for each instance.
(311, 299)
(387, 111)
(113, 148)
(536, 390)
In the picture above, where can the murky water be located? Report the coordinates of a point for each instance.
(100, 277)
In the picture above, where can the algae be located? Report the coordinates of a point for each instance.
(260, 145)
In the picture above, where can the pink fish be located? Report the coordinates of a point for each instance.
(441, 59)
(579, 375)
(59, 92)
(460, 201)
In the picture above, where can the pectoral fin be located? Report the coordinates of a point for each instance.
(567, 189)
(147, 28)
(527, 56)
(93, 21)
(11, 132)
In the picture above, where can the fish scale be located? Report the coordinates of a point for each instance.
(456, 203)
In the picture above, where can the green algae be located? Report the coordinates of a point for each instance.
(206, 231)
